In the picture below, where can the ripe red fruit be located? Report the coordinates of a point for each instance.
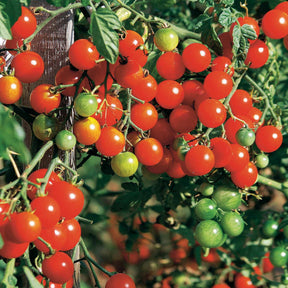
(241, 102)
(196, 57)
(163, 165)
(245, 177)
(239, 158)
(222, 151)
(199, 160)
(120, 280)
(83, 54)
(72, 230)
(193, 90)
(170, 66)
(222, 63)
(258, 54)
(163, 132)
(146, 88)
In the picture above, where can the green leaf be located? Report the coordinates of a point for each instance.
(226, 18)
(130, 186)
(85, 2)
(236, 37)
(126, 202)
(227, 2)
(12, 280)
(60, 3)
(25, 2)
(186, 233)
(34, 283)
(210, 38)
(96, 218)
(12, 137)
(248, 32)
(105, 38)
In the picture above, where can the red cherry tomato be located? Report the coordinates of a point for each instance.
(163, 132)
(163, 165)
(83, 54)
(120, 280)
(222, 63)
(242, 281)
(245, 177)
(146, 88)
(241, 102)
(222, 151)
(239, 158)
(41, 280)
(72, 231)
(4, 208)
(28, 65)
(258, 54)
(193, 90)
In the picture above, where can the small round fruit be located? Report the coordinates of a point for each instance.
(44, 128)
(227, 198)
(209, 234)
(124, 164)
(166, 39)
(10, 89)
(120, 280)
(279, 256)
(261, 161)
(206, 209)
(86, 104)
(65, 140)
(270, 228)
(206, 189)
(232, 224)
(245, 136)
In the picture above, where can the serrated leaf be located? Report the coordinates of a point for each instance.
(200, 21)
(125, 202)
(34, 283)
(236, 37)
(105, 38)
(248, 32)
(60, 3)
(227, 2)
(226, 18)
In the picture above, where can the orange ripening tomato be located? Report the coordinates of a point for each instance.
(10, 89)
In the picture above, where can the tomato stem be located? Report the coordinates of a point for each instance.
(9, 271)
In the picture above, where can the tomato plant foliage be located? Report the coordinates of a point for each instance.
(171, 154)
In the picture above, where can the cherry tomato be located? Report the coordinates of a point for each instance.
(66, 76)
(196, 57)
(163, 132)
(239, 159)
(232, 224)
(146, 88)
(241, 102)
(124, 164)
(218, 84)
(23, 227)
(69, 197)
(144, 116)
(25, 25)
(149, 151)
(227, 198)
(242, 281)
(170, 66)
(41, 280)
(275, 24)
(120, 280)
(54, 235)
(183, 119)
(222, 151)
(10, 89)
(87, 130)
(163, 165)
(47, 209)
(43, 100)
(28, 65)
(169, 94)
(258, 54)
(254, 115)
(39, 174)
(193, 89)
(98, 75)
(83, 54)
(266, 263)
(211, 113)
(206, 189)
(44, 127)
(132, 47)
(128, 74)
(268, 138)
(199, 160)
(65, 140)
(209, 234)
(175, 169)
(114, 137)
(166, 39)
(278, 256)
(72, 231)
(226, 42)
(270, 228)
(59, 267)
(222, 63)
(206, 209)
(283, 6)
(221, 285)
(261, 161)
(85, 104)
(246, 21)
(110, 111)
(245, 136)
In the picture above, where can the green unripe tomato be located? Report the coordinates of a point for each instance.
(270, 228)
(261, 161)
(166, 39)
(206, 189)
(278, 256)
(209, 234)
(85, 104)
(65, 140)
(124, 164)
(227, 198)
(232, 224)
(285, 231)
(206, 209)
(44, 127)
(245, 136)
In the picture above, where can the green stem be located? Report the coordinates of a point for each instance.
(9, 271)
(269, 182)
(53, 14)
(267, 103)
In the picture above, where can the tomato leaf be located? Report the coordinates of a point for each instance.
(25, 2)
(105, 38)
(210, 38)
(60, 3)
(248, 32)
(12, 137)
(96, 218)
(85, 2)
(31, 278)
(186, 233)
(126, 202)
(226, 18)
(227, 2)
